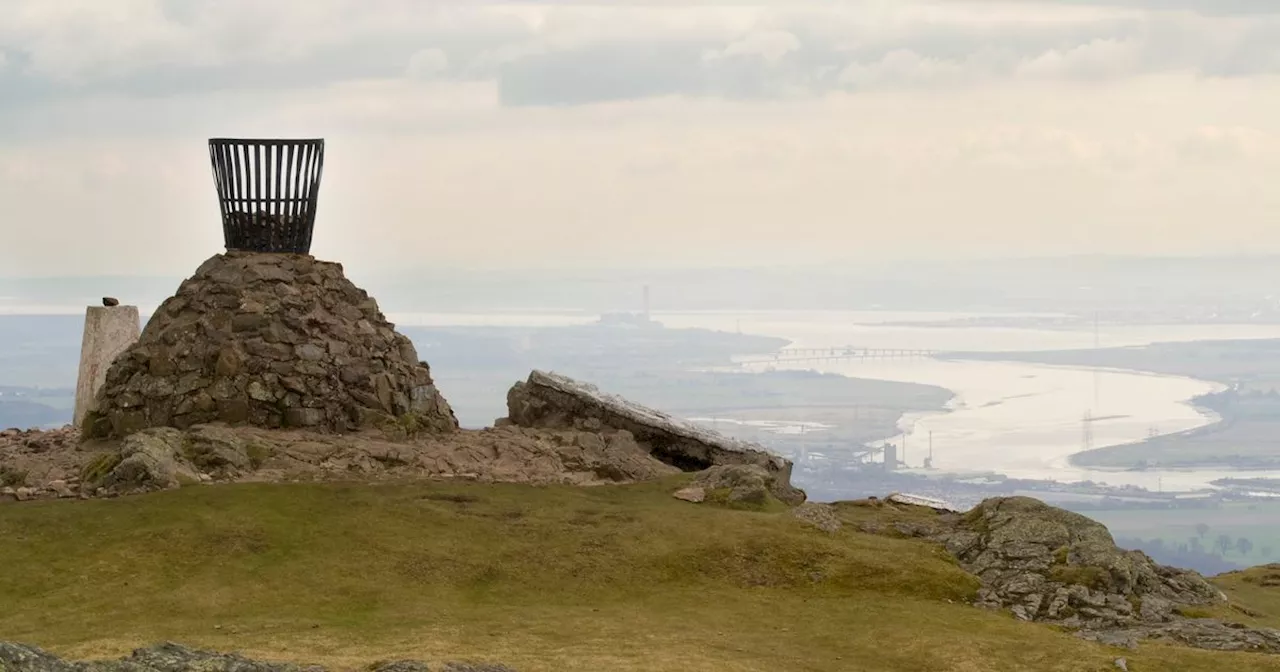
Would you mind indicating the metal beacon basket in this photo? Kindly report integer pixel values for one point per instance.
(267, 192)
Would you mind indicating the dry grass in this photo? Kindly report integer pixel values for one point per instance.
(622, 578)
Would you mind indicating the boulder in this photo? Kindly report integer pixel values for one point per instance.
(268, 340)
(150, 460)
(553, 401)
(692, 494)
(1201, 633)
(820, 516)
(746, 483)
(1050, 565)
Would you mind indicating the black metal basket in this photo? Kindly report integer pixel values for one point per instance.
(267, 192)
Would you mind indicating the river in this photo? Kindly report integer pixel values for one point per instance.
(1022, 420)
(1018, 419)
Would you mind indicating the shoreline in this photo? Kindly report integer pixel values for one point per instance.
(1232, 438)
(1209, 422)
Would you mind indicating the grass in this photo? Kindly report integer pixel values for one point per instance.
(98, 468)
(1255, 595)
(554, 578)
(1095, 578)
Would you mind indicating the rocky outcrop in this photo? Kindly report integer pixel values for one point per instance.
(170, 657)
(268, 340)
(1050, 565)
(162, 458)
(32, 459)
(553, 401)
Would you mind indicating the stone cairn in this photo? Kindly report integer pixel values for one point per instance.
(266, 335)
(270, 340)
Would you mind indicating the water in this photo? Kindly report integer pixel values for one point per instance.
(1022, 420)
(1025, 421)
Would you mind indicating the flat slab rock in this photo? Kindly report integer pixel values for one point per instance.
(170, 657)
(553, 401)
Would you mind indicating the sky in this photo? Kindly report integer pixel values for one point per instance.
(649, 134)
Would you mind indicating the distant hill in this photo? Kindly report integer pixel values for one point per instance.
(28, 414)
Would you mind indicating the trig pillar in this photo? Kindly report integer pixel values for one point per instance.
(108, 331)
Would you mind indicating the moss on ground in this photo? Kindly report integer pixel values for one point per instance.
(1094, 578)
(98, 468)
(541, 578)
(258, 453)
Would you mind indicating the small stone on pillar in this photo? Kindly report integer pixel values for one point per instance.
(108, 331)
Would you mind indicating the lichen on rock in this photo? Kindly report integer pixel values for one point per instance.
(1051, 565)
(268, 340)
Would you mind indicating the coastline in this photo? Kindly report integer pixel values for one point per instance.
(1242, 411)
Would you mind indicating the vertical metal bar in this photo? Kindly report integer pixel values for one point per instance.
(242, 184)
(242, 159)
(237, 156)
(311, 184)
(304, 177)
(228, 183)
(258, 181)
(219, 182)
(277, 173)
(233, 177)
(315, 189)
(290, 208)
(304, 191)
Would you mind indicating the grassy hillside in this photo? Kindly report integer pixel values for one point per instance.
(617, 578)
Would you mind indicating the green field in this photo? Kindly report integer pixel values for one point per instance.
(1259, 522)
(1236, 443)
(542, 579)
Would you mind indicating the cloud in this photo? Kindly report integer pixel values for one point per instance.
(771, 45)
(163, 47)
(646, 132)
(903, 67)
(1217, 145)
(1098, 59)
(554, 53)
(427, 63)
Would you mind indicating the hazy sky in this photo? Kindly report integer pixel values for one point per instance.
(663, 132)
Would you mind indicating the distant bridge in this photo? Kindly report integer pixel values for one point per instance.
(845, 353)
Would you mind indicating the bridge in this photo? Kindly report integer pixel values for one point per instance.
(844, 353)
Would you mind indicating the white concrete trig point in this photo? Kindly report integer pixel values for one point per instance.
(108, 331)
